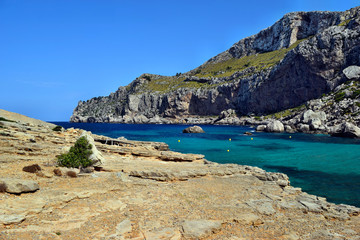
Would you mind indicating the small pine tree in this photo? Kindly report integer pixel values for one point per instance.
(78, 155)
(57, 128)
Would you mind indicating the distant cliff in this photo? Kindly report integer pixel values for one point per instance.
(299, 58)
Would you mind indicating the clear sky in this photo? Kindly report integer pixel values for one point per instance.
(54, 53)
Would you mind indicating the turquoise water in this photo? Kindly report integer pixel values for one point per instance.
(319, 164)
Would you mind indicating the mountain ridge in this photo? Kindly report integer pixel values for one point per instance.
(298, 58)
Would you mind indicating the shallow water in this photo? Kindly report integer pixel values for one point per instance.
(319, 164)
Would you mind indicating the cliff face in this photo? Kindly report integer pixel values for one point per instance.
(299, 58)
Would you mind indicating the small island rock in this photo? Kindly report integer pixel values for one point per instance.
(275, 126)
(193, 129)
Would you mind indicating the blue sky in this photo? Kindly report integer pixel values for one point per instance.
(55, 53)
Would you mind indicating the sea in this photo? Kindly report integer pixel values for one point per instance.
(319, 164)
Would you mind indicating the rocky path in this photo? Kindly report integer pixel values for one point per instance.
(140, 194)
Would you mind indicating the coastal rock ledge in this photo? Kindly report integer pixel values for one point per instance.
(142, 190)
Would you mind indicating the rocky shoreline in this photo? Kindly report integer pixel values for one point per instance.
(335, 113)
(143, 190)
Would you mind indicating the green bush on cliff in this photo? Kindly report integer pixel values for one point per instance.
(57, 128)
(339, 96)
(5, 120)
(78, 155)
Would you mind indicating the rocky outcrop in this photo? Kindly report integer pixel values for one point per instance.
(19, 186)
(346, 129)
(274, 126)
(193, 129)
(319, 52)
(336, 113)
(96, 156)
(194, 200)
(196, 229)
(352, 72)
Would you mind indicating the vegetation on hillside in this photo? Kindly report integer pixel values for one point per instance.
(226, 68)
(286, 113)
(57, 128)
(259, 61)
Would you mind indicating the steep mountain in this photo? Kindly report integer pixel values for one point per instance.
(299, 58)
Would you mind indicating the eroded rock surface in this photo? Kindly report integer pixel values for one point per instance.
(138, 195)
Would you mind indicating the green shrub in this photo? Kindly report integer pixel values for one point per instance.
(5, 120)
(344, 23)
(356, 94)
(78, 155)
(339, 96)
(57, 128)
(147, 77)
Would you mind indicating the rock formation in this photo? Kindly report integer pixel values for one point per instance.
(301, 57)
(145, 191)
(193, 129)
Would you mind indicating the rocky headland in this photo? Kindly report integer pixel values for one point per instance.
(302, 71)
(142, 190)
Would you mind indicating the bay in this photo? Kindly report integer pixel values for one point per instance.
(319, 164)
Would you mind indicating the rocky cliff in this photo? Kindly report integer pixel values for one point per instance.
(299, 58)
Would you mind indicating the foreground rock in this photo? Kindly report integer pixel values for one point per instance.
(193, 129)
(19, 186)
(196, 229)
(136, 194)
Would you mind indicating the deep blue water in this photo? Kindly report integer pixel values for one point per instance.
(319, 164)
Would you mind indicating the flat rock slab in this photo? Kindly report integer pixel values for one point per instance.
(18, 186)
(195, 229)
(11, 219)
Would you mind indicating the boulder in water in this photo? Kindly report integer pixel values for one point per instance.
(275, 126)
(193, 129)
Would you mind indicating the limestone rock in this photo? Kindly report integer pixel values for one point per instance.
(275, 126)
(289, 129)
(303, 128)
(123, 227)
(193, 129)
(18, 186)
(261, 128)
(315, 118)
(11, 219)
(44, 174)
(352, 72)
(346, 129)
(263, 207)
(164, 233)
(96, 155)
(195, 229)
